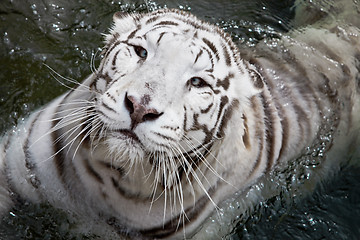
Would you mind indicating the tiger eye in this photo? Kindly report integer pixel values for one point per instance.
(140, 51)
(197, 82)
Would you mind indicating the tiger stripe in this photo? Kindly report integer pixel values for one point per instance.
(226, 55)
(29, 159)
(212, 48)
(6, 174)
(92, 172)
(269, 132)
(246, 137)
(198, 56)
(126, 194)
(172, 225)
(225, 82)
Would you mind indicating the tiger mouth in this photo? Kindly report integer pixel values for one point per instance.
(128, 134)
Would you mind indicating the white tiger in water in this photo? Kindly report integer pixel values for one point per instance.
(176, 119)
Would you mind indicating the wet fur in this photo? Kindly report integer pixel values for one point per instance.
(267, 105)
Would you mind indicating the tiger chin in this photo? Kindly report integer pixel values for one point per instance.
(175, 120)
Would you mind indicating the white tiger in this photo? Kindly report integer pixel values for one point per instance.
(176, 119)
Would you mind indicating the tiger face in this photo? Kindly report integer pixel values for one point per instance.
(164, 89)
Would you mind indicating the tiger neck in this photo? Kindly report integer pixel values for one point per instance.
(148, 179)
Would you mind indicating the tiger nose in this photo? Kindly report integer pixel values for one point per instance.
(138, 111)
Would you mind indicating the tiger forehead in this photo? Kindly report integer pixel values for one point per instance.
(177, 22)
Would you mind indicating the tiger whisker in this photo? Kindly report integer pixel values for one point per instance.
(72, 115)
(180, 195)
(85, 136)
(72, 131)
(206, 149)
(195, 176)
(205, 161)
(65, 105)
(55, 128)
(178, 152)
(97, 125)
(92, 61)
(87, 89)
(155, 183)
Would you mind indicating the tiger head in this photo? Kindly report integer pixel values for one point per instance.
(167, 87)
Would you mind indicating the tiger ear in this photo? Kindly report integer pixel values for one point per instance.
(120, 15)
(124, 22)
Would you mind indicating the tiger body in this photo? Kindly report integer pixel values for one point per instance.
(176, 119)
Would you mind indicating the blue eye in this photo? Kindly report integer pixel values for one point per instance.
(198, 82)
(140, 51)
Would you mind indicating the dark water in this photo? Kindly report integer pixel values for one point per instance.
(65, 35)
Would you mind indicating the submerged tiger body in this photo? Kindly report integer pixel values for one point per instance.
(176, 119)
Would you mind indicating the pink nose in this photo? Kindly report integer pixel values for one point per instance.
(138, 111)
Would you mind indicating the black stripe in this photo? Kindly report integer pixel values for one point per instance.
(197, 126)
(166, 23)
(227, 55)
(108, 107)
(198, 55)
(7, 143)
(246, 137)
(111, 97)
(114, 38)
(304, 90)
(269, 130)
(29, 163)
(171, 226)
(185, 119)
(121, 15)
(285, 135)
(298, 75)
(195, 25)
(65, 169)
(115, 57)
(110, 49)
(225, 83)
(160, 37)
(212, 47)
(91, 171)
(206, 110)
(301, 77)
(119, 170)
(132, 34)
(256, 79)
(128, 195)
(280, 110)
(260, 154)
(153, 19)
(170, 127)
(106, 77)
(259, 134)
(226, 117)
(98, 111)
(326, 89)
(222, 122)
(211, 60)
(164, 136)
(59, 158)
(14, 196)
